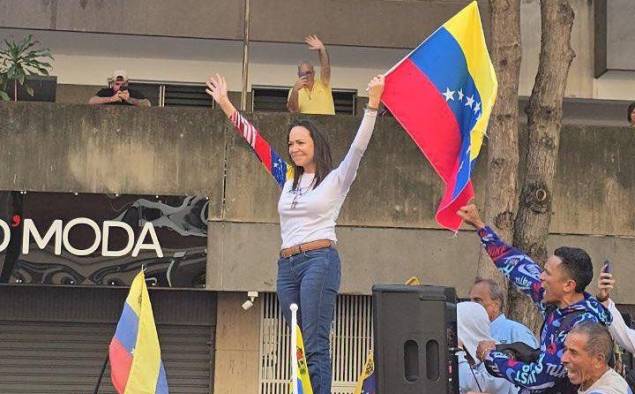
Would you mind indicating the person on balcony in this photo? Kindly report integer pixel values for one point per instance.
(119, 94)
(311, 95)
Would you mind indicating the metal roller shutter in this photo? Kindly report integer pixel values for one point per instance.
(53, 357)
(40, 354)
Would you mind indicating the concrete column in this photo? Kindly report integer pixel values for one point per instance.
(237, 345)
(580, 79)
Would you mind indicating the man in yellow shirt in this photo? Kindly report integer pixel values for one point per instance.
(311, 95)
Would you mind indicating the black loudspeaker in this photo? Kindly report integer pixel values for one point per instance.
(415, 339)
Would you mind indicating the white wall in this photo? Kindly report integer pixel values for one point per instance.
(614, 85)
(580, 81)
(86, 58)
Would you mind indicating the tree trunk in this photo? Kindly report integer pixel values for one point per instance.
(502, 135)
(15, 90)
(544, 112)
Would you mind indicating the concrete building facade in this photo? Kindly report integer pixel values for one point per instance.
(386, 228)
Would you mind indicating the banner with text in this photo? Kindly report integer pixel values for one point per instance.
(102, 239)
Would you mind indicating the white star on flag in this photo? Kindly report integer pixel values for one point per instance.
(449, 94)
(460, 94)
(477, 107)
(470, 101)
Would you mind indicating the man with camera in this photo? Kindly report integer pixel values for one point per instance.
(311, 95)
(119, 94)
(558, 291)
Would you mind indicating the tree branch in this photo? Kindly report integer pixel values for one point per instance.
(531, 227)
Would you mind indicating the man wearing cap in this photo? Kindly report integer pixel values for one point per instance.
(119, 94)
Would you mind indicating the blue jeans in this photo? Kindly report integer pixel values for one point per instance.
(311, 280)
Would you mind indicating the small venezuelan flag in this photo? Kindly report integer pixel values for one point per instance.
(367, 382)
(442, 94)
(304, 379)
(134, 352)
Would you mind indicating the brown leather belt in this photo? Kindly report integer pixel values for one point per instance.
(313, 245)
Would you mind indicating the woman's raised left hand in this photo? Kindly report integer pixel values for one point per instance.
(375, 90)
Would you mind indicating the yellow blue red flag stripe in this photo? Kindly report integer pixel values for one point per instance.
(304, 379)
(442, 94)
(134, 352)
(367, 382)
(270, 159)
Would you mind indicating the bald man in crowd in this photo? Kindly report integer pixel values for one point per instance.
(489, 294)
(311, 94)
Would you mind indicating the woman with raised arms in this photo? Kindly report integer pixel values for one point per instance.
(312, 193)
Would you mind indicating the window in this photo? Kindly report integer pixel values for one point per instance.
(174, 95)
(269, 99)
(186, 96)
(345, 101)
(274, 99)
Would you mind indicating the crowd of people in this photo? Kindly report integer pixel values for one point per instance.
(575, 349)
(576, 339)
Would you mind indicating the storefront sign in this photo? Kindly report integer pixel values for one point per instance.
(101, 239)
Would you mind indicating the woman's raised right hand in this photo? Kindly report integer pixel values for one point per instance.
(217, 88)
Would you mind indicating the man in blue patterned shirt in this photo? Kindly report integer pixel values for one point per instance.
(558, 291)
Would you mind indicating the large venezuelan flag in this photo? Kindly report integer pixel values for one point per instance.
(442, 93)
(134, 352)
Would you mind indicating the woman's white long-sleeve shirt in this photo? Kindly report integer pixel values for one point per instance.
(308, 214)
(621, 333)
